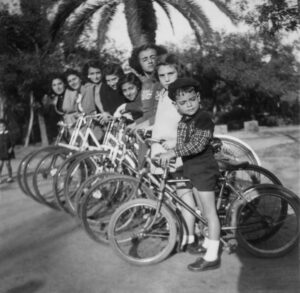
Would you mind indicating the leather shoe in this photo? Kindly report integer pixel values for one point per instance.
(195, 249)
(202, 265)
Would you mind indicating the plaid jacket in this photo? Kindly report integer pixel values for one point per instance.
(194, 134)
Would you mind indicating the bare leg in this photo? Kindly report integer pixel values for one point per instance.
(207, 199)
(9, 169)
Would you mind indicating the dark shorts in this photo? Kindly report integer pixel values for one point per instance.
(203, 175)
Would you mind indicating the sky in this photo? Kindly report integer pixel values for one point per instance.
(182, 29)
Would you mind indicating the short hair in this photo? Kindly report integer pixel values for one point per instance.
(113, 69)
(91, 63)
(182, 85)
(130, 78)
(71, 71)
(172, 60)
(134, 61)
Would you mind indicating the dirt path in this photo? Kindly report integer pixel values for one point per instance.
(42, 250)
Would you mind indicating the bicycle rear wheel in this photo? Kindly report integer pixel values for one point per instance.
(140, 235)
(29, 166)
(251, 175)
(238, 150)
(43, 176)
(268, 224)
(79, 171)
(103, 199)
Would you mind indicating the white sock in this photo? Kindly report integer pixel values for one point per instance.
(212, 250)
(188, 239)
(205, 242)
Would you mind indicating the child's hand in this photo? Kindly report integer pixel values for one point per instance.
(165, 157)
(168, 145)
(105, 116)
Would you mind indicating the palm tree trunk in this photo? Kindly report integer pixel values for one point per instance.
(2, 104)
(141, 21)
(43, 130)
(30, 124)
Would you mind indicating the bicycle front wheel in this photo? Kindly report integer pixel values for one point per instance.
(140, 234)
(268, 224)
(104, 198)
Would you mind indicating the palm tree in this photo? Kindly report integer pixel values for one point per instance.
(73, 16)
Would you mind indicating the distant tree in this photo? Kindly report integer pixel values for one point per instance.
(274, 16)
(234, 73)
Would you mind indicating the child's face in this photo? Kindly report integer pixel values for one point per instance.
(58, 86)
(130, 91)
(187, 102)
(167, 74)
(74, 81)
(147, 59)
(94, 75)
(112, 80)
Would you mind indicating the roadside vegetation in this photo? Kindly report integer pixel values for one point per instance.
(243, 77)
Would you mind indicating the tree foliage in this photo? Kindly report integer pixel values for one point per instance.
(275, 16)
(234, 74)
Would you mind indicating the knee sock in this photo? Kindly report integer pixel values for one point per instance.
(205, 242)
(212, 250)
(188, 239)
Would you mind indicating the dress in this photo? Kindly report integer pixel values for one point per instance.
(5, 145)
(193, 145)
(165, 126)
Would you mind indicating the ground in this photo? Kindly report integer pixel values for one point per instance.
(42, 250)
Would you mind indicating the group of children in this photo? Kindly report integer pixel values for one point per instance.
(157, 94)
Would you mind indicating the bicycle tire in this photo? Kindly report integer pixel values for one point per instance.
(103, 199)
(90, 165)
(275, 219)
(42, 175)
(58, 181)
(20, 172)
(86, 186)
(251, 175)
(30, 165)
(132, 242)
(237, 149)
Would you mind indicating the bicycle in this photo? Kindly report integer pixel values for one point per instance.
(146, 231)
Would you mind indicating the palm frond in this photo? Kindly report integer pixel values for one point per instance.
(81, 20)
(194, 14)
(65, 9)
(226, 10)
(107, 14)
(165, 8)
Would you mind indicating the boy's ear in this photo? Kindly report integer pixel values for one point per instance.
(198, 96)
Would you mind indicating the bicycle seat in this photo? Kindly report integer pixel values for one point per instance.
(229, 164)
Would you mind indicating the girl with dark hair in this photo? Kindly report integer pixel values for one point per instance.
(6, 150)
(79, 97)
(53, 104)
(130, 87)
(109, 96)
